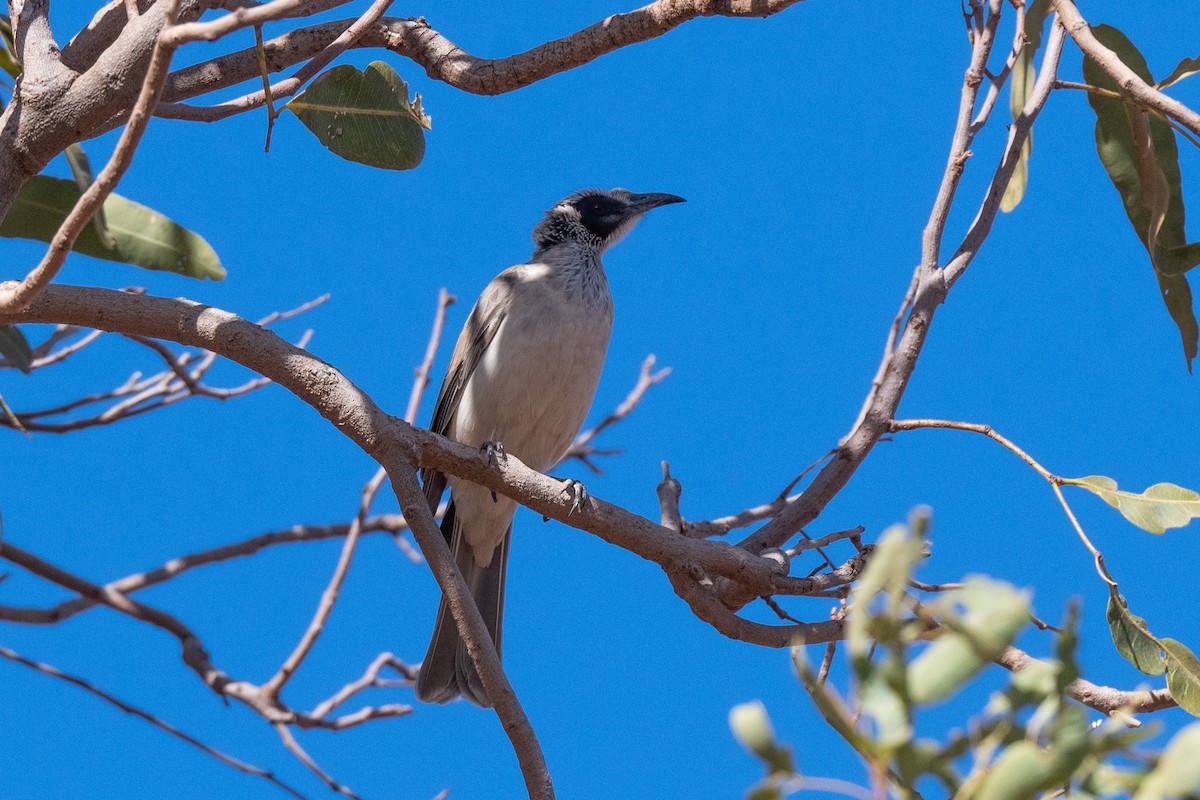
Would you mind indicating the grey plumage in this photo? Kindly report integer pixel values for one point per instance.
(522, 375)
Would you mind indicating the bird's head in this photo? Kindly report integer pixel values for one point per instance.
(596, 218)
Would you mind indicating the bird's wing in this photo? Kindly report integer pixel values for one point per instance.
(481, 327)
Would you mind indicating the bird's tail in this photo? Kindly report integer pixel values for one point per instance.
(447, 670)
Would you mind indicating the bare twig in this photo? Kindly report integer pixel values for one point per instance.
(421, 377)
(370, 679)
(304, 758)
(166, 727)
(139, 395)
(1018, 133)
(244, 17)
(329, 597)
(288, 86)
(723, 525)
(582, 448)
(1055, 481)
(385, 523)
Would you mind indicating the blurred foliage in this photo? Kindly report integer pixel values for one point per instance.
(1030, 739)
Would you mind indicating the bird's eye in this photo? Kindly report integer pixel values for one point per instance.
(597, 208)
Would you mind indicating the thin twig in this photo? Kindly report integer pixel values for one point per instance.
(384, 523)
(582, 448)
(304, 758)
(369, 679)
(166, 727)
(421, 379)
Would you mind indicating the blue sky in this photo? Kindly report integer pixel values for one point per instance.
(809, 146)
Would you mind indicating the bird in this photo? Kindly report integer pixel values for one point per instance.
(520, 382)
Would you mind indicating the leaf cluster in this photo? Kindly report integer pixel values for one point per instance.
(1029, 739)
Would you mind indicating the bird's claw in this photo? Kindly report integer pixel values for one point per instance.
(495, 455)
(495, 452)
(577, 492)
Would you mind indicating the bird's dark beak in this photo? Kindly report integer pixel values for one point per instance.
(641, 203)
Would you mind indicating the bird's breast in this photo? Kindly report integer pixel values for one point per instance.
(533, 387)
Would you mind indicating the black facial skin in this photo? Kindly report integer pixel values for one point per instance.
(601, 215)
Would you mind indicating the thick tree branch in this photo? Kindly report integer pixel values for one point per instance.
(389, 440)
(14, 297)
(442, 59)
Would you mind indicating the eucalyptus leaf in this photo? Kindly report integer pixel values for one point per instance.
(365, 116)
(1021, 80)
(752, 728)
(1162, 506)
(15, 348)
(1183, 676)
(1186, 67)
(144, 237)
(9, 62)
(994, 613)
(1024, 769)
(888, 571)
(1177, 772)
(1141, 156)
(1132, 637)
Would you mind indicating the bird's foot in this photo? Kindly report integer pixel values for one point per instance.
(496, 456)
(495, 452)
(577, 492)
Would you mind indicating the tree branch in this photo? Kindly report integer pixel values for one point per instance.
(386, 439)
(228, 760)
(472, 630)
(442, 59)
(16, 296)
(385, 523)
(1145, 95)
(1105, 699)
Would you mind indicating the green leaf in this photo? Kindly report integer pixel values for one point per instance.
(365, 116)
(1183, 676)
(1132, 637)
(144, 237)
(15, 348)
(8, 51)
(1024, 769)
(831, 707)
(1141, 157)
(81, 170)
(752, 728)
(1020, 178)
(1189, 66)
(994, 613)
(1021, 81)
(1162, 506)
(893, 723)
(1177, 772)
(888, 570)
